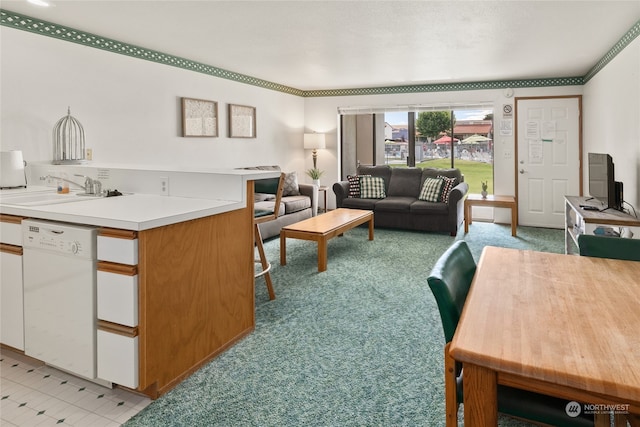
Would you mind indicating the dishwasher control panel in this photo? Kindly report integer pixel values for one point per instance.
(70, 239)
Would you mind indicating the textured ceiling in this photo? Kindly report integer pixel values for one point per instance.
(312, 45)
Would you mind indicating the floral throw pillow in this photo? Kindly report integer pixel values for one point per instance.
(372, 187)
(447, 186)
(431, 190)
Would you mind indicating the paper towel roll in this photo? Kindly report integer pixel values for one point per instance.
(12, 169)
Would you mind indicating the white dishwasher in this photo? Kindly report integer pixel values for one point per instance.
(59, 267)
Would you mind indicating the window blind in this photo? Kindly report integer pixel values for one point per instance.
(380, 109)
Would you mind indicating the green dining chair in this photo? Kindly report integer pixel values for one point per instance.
(450, 281)
(609, 247)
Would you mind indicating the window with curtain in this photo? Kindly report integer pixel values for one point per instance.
(440, 136)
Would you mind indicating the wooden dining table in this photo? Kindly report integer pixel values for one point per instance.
(561, 325)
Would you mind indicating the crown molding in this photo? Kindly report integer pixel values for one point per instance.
(49, 29)
(448, 87)
(60, 32)
(614, 51)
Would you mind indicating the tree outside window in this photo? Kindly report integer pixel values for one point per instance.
(474, 159)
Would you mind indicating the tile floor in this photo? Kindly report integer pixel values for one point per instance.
(33, 394)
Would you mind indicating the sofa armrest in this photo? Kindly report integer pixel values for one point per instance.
(310, 191)
(341, 190)
(456, 207)
(458, 193)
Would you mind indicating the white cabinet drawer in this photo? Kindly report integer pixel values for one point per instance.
(118, 298)
(122, 251)
(118, 358)
(11, 301)
(11, 233)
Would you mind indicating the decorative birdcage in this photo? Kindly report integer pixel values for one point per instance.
(68, 141)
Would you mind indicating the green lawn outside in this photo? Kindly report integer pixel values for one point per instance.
(474, 172)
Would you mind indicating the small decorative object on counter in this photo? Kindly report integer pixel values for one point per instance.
(484, 189)
(63, 185)
(68, 141)
(112, 193)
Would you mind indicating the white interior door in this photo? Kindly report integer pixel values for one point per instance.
(548, 162)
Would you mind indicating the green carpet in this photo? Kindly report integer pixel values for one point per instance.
(358, 345)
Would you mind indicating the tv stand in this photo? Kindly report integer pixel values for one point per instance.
(608, 208)
(582, 221)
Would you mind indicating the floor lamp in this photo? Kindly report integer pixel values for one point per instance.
(314, 141)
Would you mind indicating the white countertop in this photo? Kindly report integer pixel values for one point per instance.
(130, 212)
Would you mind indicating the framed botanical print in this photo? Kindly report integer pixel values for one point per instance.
(199, 117)
(242, 121)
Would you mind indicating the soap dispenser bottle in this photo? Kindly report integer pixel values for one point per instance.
(63, 186)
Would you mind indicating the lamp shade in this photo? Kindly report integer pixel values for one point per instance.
(314, 141)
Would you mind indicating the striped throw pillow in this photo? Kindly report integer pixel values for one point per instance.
(431, 190)
(372, 187)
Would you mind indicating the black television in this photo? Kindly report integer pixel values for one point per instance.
(602, 184)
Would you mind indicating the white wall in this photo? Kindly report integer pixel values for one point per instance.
(612, 119)
(130, 108)
(321, 114)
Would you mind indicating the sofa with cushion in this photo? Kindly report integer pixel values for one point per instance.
(428, 199)
(299, 201)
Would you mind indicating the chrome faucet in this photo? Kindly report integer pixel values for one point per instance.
(91, 186)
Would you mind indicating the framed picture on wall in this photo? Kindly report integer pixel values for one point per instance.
(199, 117)
(242, 121)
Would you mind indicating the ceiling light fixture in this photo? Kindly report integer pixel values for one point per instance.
(41, 3)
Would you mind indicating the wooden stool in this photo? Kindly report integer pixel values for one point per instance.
(266, 186)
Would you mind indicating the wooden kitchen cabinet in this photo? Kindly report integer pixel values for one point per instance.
(118, 360)
(117, 295)
(11, 298)
(11, 288)
(118, 246)
(11, 230)
(117, 298)
(195, 298)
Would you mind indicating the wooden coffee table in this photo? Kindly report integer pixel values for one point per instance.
(323, 227)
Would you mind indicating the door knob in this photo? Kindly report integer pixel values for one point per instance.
(521, 170)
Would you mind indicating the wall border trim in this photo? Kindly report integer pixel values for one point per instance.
(614, 51)
(37, 26)
(61, 32)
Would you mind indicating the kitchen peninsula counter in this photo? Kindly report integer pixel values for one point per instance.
(141, 211)
(189, 277)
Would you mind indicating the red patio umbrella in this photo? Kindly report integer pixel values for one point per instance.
(445, 140)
